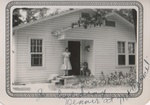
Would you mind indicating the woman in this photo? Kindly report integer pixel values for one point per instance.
(66, 63)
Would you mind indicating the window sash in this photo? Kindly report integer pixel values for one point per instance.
(125, 53)
(36, 45)
(131, 59)
(131, 48)
(36, 59)
(131, 53)
(121, 47)
(36, 52)
(123, 61)
(121, 53)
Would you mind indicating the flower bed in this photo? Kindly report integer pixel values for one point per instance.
(116, 78)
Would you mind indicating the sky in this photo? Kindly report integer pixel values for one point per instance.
(23, 13)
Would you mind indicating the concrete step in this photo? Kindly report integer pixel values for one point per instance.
(59, 78)
(55, 81)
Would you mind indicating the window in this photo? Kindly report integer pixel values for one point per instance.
(131, 51)
(36, 52)
(121, 53)
(110, 23)
(125, 53)
(85, 15)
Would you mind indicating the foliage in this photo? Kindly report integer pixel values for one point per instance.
(16, 19)
(33, 14)
(127, 14)
(95, 20)
(100, 16)
(112, 79)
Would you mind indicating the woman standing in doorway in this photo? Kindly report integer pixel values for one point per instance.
(66, 63)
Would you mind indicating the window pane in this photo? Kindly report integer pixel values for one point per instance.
(33, 45)
(36, 45)
(131, 47)
(41, 42)
(119, 44)
(36, 59)
(32, 42)
(38, 42)
(40, 48)
(119, 50)
(31, 49)
(40, 45)
(34, 48)
(110, 23)
(121, 47)
(32, 61)
(40, 62)
(122, 50)
(85, 15)
(121, 59)
(131, 59)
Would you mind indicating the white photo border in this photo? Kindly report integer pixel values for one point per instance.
(74, 3)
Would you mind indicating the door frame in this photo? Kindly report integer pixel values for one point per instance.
(79, 51)
(81, 46)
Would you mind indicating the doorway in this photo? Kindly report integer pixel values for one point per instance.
(74, 49)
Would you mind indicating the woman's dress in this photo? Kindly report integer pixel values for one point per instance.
(66, 64)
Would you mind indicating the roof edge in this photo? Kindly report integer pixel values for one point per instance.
(43, 19)
(61, 14)
(124, 19)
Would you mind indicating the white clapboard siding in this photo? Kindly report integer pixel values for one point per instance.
(88, 56)
(13, 51)
(105, 38)
(102, 41)
(53, 49)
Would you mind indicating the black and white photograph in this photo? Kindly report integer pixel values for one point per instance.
(76, 52)
(72, 48)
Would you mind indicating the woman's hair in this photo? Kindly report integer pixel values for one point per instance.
(66, 48)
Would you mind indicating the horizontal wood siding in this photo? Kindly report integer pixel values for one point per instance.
(53, 49)
(13, 57)
(104, 46)
(88, 56)
(105, 38)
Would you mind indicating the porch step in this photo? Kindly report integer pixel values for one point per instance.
(65, 77)
(61, 79)
(55, 81)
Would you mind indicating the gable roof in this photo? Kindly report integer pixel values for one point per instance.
(123, 18)
(44, 19)
(61, 14)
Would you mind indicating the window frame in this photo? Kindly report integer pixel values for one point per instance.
(126, 54)
(43, 53)
(131, 53)
(121, 53)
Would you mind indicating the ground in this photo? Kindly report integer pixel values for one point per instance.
(76, 84)
(51, 88)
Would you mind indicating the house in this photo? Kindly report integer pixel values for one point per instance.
(37, 47)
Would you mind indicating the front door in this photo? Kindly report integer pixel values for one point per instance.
(74, 49)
